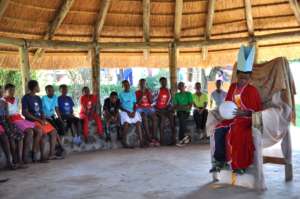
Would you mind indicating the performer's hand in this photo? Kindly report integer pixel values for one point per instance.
(242, 113)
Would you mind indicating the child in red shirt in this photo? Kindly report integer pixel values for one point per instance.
(88, 104)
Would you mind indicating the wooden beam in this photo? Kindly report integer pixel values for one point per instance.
(209, 24)
(75, 45)
(101, 19)
(146, 24)
(178, 19)
(54, 25)
(296, 9)
(249, 18)
(25, 67)
(3, 6)
(173, 56)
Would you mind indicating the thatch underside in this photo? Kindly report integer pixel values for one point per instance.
(30, 19)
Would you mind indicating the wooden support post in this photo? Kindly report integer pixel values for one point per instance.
(173, 54)
(25, 67)
(95, 55)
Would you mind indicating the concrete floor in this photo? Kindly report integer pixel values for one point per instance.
(166, 172)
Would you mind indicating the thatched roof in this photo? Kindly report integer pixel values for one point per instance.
(31, 19)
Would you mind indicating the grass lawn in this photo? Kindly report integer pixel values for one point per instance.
(298, 115)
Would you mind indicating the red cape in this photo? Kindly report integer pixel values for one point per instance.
(239, 139)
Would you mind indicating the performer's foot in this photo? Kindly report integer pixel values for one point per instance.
(215, 169)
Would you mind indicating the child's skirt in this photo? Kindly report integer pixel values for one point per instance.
(46, 128)
(22, 125)
(2, 131)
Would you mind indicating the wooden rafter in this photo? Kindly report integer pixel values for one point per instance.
(146, 24)
(295, 5)
(57, 21)
(3, 6)
(209, 25)
(101, 19)
(249, 18)
(178, 19)
(48, 44)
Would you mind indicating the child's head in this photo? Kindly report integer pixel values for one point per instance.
(33, 86)
(198, 86)
(181, 86)
(113, 97)
(63, 89)
(142, 83)
(126, 85)
(49, 90)
(85, 90)
(218, 84)
(1, 91)
(163, 82)
(9, 90)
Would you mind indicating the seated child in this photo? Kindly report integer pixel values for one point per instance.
(65, 106)
(52, 114)
(162, 103)
(24, 126)
(4, 135)
(32, 110)
(144, 107)
(128, 114)
(111, 111)
(88, 106)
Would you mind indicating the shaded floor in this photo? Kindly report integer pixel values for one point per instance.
(166, 172)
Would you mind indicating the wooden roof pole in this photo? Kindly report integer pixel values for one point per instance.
(54, 25)
(295, 5)
(249, 18)
(101, 19)
(146, 24)
(3, 7)
(209, 24)
(25, 67)
(178, 19)
(250, 26)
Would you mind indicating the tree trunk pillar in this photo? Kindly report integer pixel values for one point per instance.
(95, 56)
(25, 67)
(173, 54)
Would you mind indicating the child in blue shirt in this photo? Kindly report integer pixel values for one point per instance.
(65, 106)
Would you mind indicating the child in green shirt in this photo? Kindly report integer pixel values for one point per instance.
(183, 102)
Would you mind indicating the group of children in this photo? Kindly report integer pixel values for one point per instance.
(52, 116)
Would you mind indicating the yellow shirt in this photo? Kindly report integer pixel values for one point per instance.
(199, 101)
